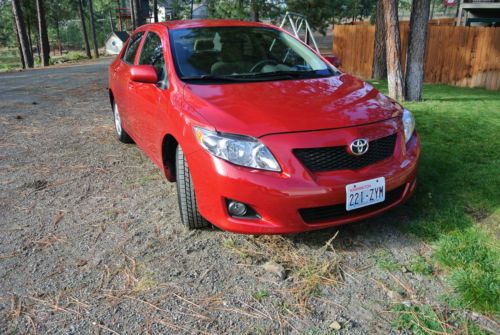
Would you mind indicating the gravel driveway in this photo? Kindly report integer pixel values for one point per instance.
(91, 240)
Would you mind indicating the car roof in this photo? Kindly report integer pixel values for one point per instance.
(200, 23)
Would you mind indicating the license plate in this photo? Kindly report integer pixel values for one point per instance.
(365, 193)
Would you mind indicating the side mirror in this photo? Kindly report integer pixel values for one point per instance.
(144, 74)
(334, 60)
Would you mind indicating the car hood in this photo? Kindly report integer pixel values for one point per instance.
(271, 107)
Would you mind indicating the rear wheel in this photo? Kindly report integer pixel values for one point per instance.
(188, 207)
(120, 132)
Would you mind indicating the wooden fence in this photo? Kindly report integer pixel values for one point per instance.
(463, 56)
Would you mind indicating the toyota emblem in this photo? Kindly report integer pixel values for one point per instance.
(359, 147)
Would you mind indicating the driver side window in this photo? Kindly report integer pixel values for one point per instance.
(152, 54)
(133, 45)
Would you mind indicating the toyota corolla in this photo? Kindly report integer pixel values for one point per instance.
(261, 134)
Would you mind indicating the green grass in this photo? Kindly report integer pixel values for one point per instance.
(423, 320)
(457, 204)
(420, 266)
(386, 261)
(9, 59)
(474, 266)
(261, 295)
(69, 57)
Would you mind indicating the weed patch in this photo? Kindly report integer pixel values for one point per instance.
(261, 295)
(386, 261)
(420, 266)
(474, 268)
(424, 320)
(310, 269)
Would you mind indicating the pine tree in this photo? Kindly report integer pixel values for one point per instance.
(21, 32)
(417, 40)
(393, 49)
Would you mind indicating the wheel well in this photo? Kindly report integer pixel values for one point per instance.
(168, 148)
(111, 97)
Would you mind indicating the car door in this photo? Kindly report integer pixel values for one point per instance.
(149, 100)
(122, 73)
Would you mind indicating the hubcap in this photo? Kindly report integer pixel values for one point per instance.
(118, 124)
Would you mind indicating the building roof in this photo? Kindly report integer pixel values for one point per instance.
(122, 35)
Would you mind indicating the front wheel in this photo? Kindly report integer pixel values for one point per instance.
(188, 207)
(120, 132)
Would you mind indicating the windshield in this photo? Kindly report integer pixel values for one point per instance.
(243, 54)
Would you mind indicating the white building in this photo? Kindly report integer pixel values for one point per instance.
(114, 42)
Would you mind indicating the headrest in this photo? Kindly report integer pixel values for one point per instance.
(203, 45)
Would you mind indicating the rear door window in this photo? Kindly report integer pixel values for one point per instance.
(132, 48)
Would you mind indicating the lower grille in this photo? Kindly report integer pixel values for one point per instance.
(337, 158)
(335, 212)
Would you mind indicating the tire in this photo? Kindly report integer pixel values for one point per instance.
(120, 132)
(190, 216)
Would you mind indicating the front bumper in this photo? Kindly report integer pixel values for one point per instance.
(278, 197)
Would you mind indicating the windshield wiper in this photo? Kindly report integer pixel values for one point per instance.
(212, 77)
(293, 74)
(241, 77)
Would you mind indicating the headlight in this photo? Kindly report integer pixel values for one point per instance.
(409, 124)
(237, 149)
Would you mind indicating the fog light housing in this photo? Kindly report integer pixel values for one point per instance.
(236, 208)
(240, 210)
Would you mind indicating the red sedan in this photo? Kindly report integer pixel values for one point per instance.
(261, 134)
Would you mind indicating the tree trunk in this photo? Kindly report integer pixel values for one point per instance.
(155, 10)
(42, 29)
(132, 13)
(21, 58)
(417, 40)
(393, 48)
(92, 29)
(28, 31)
(84, 29)
(23, 37)
(37, 41)
(255, 10)
(119, 13)
(255, 15)
(58, 35)
(379, 50)
(38, 44)
(139, 18)
(111, 21)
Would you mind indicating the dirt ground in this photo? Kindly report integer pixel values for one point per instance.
(91, 239)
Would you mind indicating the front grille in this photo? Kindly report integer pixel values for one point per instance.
(335, 212)
(337, 158)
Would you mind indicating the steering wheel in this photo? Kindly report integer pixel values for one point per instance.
(261, 64)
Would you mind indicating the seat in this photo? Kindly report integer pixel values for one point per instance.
(201, 45)
(231, 60)
(203, 56)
